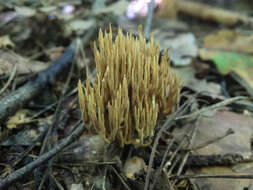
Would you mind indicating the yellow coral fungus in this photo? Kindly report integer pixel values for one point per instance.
(131, 89)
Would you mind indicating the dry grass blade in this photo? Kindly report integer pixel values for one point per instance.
(13, 73)
(213, 107)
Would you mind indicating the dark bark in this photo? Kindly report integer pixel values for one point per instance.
(17, 99)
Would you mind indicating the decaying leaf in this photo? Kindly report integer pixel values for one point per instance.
(183, 47)
(198, 85)
(239, 142)
(9, 59)
(229, 40)
(227, 62)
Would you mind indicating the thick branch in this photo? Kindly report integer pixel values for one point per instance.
(17, 99)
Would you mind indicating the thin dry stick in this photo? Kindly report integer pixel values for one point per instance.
(43, 180)
(26, 152)
(104, 178)
(212, 176)
(123, 182)
(169, 122)
(175, 153)
(192, 141)
(13, 177)
(18, 98)
(166, 125)
(228, 132)
(72, 92)
(13, 73)
(62, 98)
(174, 164)
(46, 139)
(84, 41)
(228, 159)
(214, 106)
(60, 187)
(193, 137)
(162, 163)
(148, 23)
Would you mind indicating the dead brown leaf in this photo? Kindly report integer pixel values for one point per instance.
(187, 74)
(9, 59)
(230, 40)
(212, 127)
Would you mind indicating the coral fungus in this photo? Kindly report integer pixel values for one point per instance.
(131, 89)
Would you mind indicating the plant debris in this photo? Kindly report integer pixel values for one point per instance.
(90, 101)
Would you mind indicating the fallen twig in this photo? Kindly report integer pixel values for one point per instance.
(13, 73)
(121, 179)
(174, 154)
(169, 122)
(229, 159)
(17, 99)
(162, 164)
(212, 176)
(211, 141)
(166, 126)
(18, 174)
(212, 107)
(206, 12)
(193, 137)
(148, 23)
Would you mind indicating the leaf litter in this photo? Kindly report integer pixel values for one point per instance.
(214, 102)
